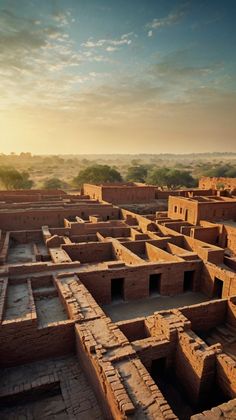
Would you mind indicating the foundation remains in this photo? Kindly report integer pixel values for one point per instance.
(110, 314)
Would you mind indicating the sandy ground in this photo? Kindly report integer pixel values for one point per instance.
(120, 311)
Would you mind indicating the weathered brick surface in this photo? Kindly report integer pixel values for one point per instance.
(76, 399)
(75, 248)
(223, 411)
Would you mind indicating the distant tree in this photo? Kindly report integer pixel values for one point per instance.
(12, 179)
(53, 184)
(158, 177)
(219, 171)
(97, 174)
(171, 178)
(231, 172)
(135, 162)
(136, 173)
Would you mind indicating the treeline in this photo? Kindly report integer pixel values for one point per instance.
(101, 174)
(170, 177)
(12, 179)
(225, 171)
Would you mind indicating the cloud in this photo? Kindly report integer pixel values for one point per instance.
(111, 49)
(62, 18)
(150, 33)
(172, 18)
(37, 61)
(129, 34)
(177, 69)
(108, 44)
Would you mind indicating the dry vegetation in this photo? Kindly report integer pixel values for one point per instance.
(66, 167)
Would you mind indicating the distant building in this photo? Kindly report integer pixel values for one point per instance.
(199, 208)
(217, 183)
(123, 193)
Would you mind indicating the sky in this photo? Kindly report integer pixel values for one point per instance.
(117, 76)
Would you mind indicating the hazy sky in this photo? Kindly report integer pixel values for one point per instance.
(122, 76)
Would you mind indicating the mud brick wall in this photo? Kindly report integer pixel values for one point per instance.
(136, 283)
(21, 220)
(185, 230)
(205, 234)
(98, 284)
(195, 366)
(210, 271)
(89, 252)
(156, 254)
(132, 219)
(182, 253)
(114, 231)
(83, 238)
(136, 280)
(94, 191)
(226, 374)
(167, 324)
(230, 262)
(122, 253)
(42, 281)
(206, 252)
(25, 236)
(54, 217)
(59, 256)
(60, 231)
(134, 329)
(231, 237)
(112, 380)
(205, 316)
(231, 312)
(194, 211)
(103, 377)
(3, 292)
(213, 182)
(39, 267)
(130, 194)
(171, 280)
(225, 411)
(22, 342)
(150, 349)
(28, 193)
(223, 210)
(178, 206)
(172, 276)
(177, 226)
(4, 247)
(138, 236)
(183, 193)
(137, 247)
(76, 299)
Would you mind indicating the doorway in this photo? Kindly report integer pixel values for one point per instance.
(154, 284)
(188, 281)
(117, 289)
(218, 288)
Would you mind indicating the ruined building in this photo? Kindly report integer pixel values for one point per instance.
(217, 183)
(109, 314)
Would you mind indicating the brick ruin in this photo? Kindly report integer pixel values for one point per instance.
(217, 183)
(121, 193)
(109, 314)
